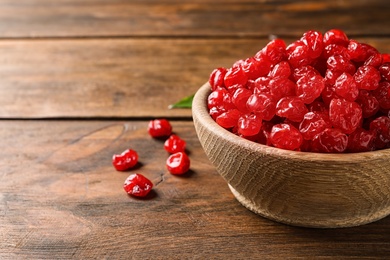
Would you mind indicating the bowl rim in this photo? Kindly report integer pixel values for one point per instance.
(201, 114)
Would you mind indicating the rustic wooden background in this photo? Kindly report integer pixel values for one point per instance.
(79, 81)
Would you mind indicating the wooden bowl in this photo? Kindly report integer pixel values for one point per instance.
(296, 188)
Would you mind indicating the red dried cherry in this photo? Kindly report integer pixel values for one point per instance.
(220, 98)
(336, 36)
(368, 103)
(235, 76)
(178, 163)
(298, 54)
(346, 87)
(384, 70)
(160, 128)
(382, 94)
(331, 140)
(381, 126)
(274, 51)
(255, 68)
(228, 119)
(361, 141)
(282, 69)
(309, 88)
(137, 185)
(263, 105)
(281, 87)
(291, 108)
(367, 77)
(249, 124)
(126, 160)
(314, 123)
(313, 40)
(345, 115)
(285, 136)
(216, 79)
(240, 97)
(174, 144)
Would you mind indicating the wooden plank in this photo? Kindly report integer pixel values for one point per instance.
(61, 198)
(113, 78)
(101, 18)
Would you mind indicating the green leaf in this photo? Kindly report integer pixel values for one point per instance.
(183, 103)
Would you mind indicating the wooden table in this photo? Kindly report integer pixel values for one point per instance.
(80, 80)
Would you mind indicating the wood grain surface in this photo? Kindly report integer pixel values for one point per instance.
(61, 199)
(119, 18)
(79, 81)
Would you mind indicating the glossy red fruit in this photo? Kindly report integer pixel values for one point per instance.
(255, 68)
(367, 77)
(159, 128)
(361, 141)
(309, 88)
(282, 69)
(291, 108)
(178, 163)
(174, 144)
(334, 49)
(229, 118)
(235, 76)
(341, 64)
(307, 71)
(281, 87)
(346, 87)
(382, 94)
(345, 115)
(314, 41)
(261, 85)
(240, 97)
(384, 70)
(357, 51)
(314, 123)
(381, 126)
(216, 79)
(335, 36)
(285, 136)
(220, 98)
(249, 124)
(368, 103)
(137, 185)
(262, 104)
(298, 54)
(274, 51)
(331, 140)
(126, 160)
(375, 60)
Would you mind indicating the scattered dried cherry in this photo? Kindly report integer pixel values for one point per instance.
(126, 160)
(174, 144)
(178, 163)
(159, 128)
(137, 185)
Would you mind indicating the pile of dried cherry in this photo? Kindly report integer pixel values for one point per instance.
(322, 93)
(177, 163)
